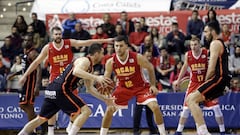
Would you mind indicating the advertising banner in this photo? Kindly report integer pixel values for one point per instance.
(161, 20)
(12, 117)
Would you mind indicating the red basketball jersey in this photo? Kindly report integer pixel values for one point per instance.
(59, 58)
(129, 73)
(198, 66)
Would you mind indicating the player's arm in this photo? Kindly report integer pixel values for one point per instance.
(183, 69)
(92, 90)
(81, 66)
(144, 63)
(215, 50)
(108, 68)
(34, 64)
(80, 43)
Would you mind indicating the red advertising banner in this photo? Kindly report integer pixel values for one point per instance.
(161, 20)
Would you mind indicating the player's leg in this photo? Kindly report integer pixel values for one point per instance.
(51, 124)
(107, 120)
(158, 118)
(137, 119)
(75, 92)
(80, 119)
(193, 101)
(31, 125)
(150, 122)
(29, 110)
(219, 118)
(183, 117)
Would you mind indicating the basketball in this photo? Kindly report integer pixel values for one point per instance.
(105, 89)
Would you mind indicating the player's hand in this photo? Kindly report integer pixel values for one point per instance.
(103, 80)
(22, 80)
(153, 90)
(109, 100)
(176, 85)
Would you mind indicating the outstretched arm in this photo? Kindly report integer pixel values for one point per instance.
(80, 43)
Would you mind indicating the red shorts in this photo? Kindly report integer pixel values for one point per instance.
(194, 86)
(123, 95)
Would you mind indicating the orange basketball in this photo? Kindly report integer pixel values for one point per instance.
(105, 89)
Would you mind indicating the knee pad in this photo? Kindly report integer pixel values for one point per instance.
(185, 113)
(217, 111)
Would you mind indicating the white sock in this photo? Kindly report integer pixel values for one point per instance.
(161, 129)
(69, 127)
(202, 130)
(104, 131)
(180, 128)
(74, 130)
(222, 128)
(22, 132)
(51, 130)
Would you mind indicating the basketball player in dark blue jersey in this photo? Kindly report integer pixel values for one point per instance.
(216, 80)
(59, 96)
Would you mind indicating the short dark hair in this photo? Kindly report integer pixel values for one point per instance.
(121, 38)
(35, 14)
(57, 28)
(94, 48)
(215, 26)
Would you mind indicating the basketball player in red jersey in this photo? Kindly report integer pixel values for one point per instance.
(127, 67)
(59, 55)
(197, 60)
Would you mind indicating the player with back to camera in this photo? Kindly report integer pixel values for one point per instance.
(59, 95)
(197, 60)
(217, 79)
(59, 54)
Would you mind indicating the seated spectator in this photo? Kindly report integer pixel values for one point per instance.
(148, 43)
(136, 38)
(4, 70)
(80, 34)
(234, 62)
(228, 37)
(36, 37)
(44, 83)
(68, 25)
(194, 26)
(164, 66)
(175, 41)
(12, 78)
(174, 75)
(118, 30)
(7, 49)
(21, 25)
(127, 24)
(158, 39)
(107, 26)
(100, 35)
(16, 41)
(144, 26)
(39, 27)
(235, 85)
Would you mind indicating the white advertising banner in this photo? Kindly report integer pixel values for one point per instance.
(42, 7)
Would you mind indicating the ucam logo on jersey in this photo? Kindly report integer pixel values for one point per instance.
(131, 60)
(66, 46)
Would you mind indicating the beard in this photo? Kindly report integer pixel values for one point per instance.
(57, 40)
